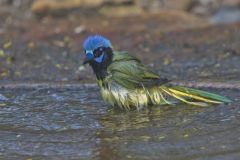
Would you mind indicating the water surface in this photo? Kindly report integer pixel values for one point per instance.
(70, 123)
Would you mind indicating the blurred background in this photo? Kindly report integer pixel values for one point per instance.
(41, 40)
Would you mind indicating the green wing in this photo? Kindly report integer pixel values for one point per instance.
(128, 71)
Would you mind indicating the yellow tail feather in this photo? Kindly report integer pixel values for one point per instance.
(202, 101)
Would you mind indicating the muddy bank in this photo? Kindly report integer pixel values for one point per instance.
(42, 54)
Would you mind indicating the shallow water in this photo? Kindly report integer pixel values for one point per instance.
(72, 123)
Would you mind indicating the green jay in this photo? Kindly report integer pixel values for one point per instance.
(125, 82)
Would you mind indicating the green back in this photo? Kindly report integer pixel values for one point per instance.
(128, 71)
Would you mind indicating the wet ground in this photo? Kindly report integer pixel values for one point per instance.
(46, 111)
(74, 123)
(175, 44)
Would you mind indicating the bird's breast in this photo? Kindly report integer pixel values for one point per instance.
(117, 95)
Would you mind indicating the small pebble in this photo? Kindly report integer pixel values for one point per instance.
(3, 98)
(7, 45)
(81, 68)
(66, 40)
(3, 104)
(17, 73)
(105, 23)
(58, 66)
(31, 45)
(186, 135)
(166, 61)
(18, 136)
(161, 137)
(10, 59)
(2, 53)
(79, 29)
(4, 73)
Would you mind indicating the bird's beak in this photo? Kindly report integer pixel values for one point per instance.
(89, 57)
(86, 60)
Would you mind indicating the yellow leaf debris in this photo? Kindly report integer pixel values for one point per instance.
(7, 45)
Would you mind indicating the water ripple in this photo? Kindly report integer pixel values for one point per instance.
(76, 124)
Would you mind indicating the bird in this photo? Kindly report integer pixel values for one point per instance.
(126, 83)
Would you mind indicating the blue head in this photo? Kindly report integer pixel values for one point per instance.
(99, 54)
(95, 48)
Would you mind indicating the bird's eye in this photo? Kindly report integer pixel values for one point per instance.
(98, 52)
